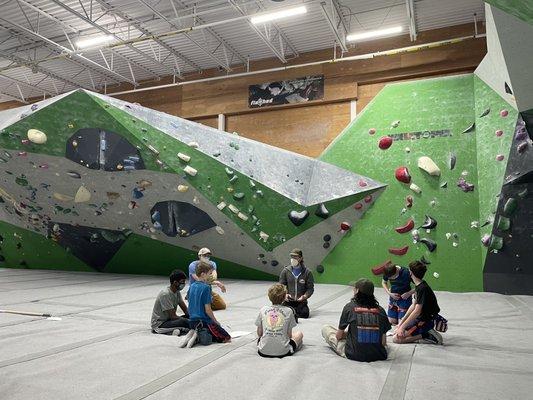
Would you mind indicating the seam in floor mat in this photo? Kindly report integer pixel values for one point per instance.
(67, 347)
(395, 384)
(521, 306)
(172, 377)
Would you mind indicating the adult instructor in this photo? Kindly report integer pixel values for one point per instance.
(299, 282)
(204, 254)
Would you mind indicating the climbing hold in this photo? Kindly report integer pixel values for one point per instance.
(409, 201)
(510, 206)
(326, 245)
(499, 132)
(183, 188)
(372, 131)
(428, 165)
(362, 183)
(263, 236)
(464, 185)
(485, 113)
(238, 196)
(385, 142)
(259, 193)
(504, 113)
(193, 145)
(251, 210)
(521, 147)
(455, 244)
(406, 228)
(378, 269)
(242, 216)
(153, 149)
(474, 224)
(36, 136)
(156, 216)
(298, 218)
(415, 188)
(132, 205)
(190, 170)
(252, 184)
(500, 157)
(436, 275)
(74, 174)
(395, 123)
(137, 193)
(158, 226)
(345, 227)
(448, 235)
(233, 209)
(368, 198)
(485, 240)
(496, 242)
(503, 223)
(229, 171)
(274, 263)
(184, 157)
(399, 251)
(326, 238)
(321, 211)
(429, 223)
(234, 179)
(221, 205)
(402, 175)
(508, 88)
(82, 195)
(470, 128)
(444, 185)
(452, 160)
(430, 244)
(521, 135)
(219, 230)
(62, 197)
(320, 269)
(523, 193)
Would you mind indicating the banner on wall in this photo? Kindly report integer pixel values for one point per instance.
(291, 91)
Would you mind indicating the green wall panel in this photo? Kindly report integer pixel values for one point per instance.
(522, 9)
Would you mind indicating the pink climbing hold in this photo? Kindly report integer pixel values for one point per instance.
(385, 142)
(25, 141)
(500, 157)
(345, 227)
(23, 153)
(358, 206)
(504, 113)
(362, 183)
(499, 132)
(372, 131)
(368, 198)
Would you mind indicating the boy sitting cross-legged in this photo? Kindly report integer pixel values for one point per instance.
(202, 320)
(274, 327)
(418, 321)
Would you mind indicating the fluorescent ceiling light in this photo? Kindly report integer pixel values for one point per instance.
(93, 41)
(278, 15)
(372, 34)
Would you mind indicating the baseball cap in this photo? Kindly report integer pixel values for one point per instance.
(203, 251)
(365, 286)
(296, 252)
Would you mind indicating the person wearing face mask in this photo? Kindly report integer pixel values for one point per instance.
(164, 317)
(204, 254)
(299, 282)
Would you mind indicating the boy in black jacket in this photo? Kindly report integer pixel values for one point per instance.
(300, 284)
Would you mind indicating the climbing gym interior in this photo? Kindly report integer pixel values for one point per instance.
(310, 143)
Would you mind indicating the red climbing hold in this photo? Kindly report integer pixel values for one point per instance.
(385, 142)
(378, 269)
(504, 113)
(368, 198)
(399, 251)
(406, 228)
(358, 206)
(402, 175)
(362, 183)
(345, 227)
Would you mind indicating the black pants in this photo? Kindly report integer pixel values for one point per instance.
(167, 327)
(301, 309)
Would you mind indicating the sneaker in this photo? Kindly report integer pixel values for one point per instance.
(434, 337)
(176, 332)
(185, 340)
(192, 339)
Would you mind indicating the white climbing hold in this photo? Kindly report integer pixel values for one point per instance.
(455, 244)
(184, 157)
(264, 237)
(219, 230)
(196, 200)
(221, 205)
(190, 170)
(242, 216)
(62, 197)
(183, 188)
(395, 124)
(448, 235)
(474, 224)
(82, 195)
(153, 149)
(428, 165)
(193, 145)
(36, 136)
(407, 149)
(436, 275)
(415, 188)
(233, 209)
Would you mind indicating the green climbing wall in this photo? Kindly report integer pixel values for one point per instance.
(426, 105)
(494, 138)
(522, 9)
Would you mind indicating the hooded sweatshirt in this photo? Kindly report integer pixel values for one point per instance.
(304, 283)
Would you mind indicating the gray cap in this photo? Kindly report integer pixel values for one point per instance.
(365, 286)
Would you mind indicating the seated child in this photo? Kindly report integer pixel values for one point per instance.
(367, 325)
(274, 327)
(418, 321)
(202, 320)
(400, 292)
(164, 318)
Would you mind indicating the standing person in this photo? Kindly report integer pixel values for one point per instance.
(418, 321)
(275, 324)
(164, 318)
(300, 284)
(204, 254)
(367, 325)
(399, 291)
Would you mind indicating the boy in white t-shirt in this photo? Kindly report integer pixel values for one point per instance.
(274, 327)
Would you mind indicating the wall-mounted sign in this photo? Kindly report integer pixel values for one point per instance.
(290, 91)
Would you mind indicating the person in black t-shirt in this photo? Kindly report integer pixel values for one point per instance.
(418, 321)
(367, 324)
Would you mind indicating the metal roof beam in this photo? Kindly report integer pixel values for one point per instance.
(410, 4)
(11, 97)
(28, 85)
(335, 21)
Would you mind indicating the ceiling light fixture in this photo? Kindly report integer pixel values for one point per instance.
(290, 12)
(372, 34)
(93, 41)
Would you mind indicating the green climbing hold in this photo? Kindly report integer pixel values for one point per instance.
(252, 184)
(503, 224)
(510, 206)
(236, 146)
(250, 209)
(496, 242)
(320, 269)
(259, 193)
(229, 171)
(238, 196)
(234, 179)
(22, 181)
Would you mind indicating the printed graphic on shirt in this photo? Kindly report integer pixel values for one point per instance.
(367, 325)
(274, 322)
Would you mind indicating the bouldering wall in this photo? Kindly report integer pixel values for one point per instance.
(430, 118)
(118, 187)
(522, 9)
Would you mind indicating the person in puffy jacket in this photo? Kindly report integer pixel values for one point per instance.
(299, 282)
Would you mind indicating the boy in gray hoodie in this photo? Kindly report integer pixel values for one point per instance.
(299, 282)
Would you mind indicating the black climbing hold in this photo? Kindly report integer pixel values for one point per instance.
(298, 218)
(2, 258)
(320, 269)
(322, 211)
(470, 128)
(508, 89)
(429, 223)
(326, 245)
(19, 246)
(261, 255)
(264, 262)
(485, 113)
(444, 185)
(274, 263)
(430, 244)
(327, 238)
